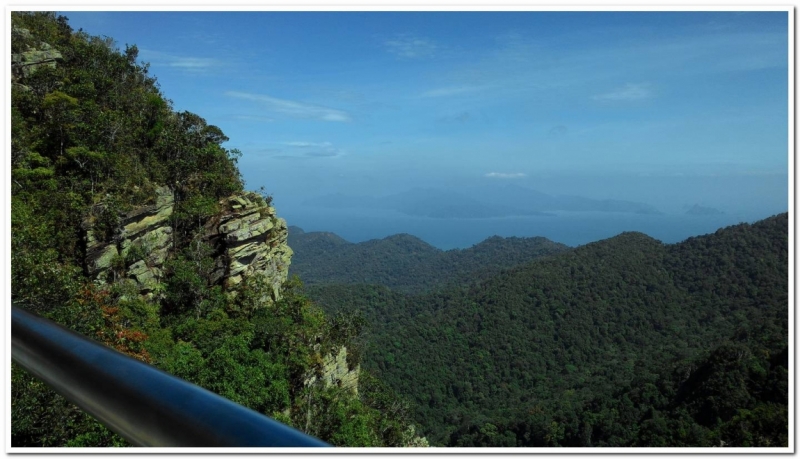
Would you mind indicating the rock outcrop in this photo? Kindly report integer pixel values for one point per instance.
(34, 57)
(336, 372)
(139, 244)
(246, 238)
(249, 238)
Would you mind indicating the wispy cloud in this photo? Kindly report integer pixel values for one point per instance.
(308, 144)
(557, 131)
(524, 65)
(462, 118)
(186, 63)
(263, 119)
(410, 47)
(453, 90)
(630, 91)
(266, 150)
(293, 108)
(304, 149)
(322, 154)
(504, 175)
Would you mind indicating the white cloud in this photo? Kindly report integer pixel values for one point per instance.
(462, 118)
(453, 90)
(628, 92)
(410, 47)
(293, 108)
(504, 175)
(308, 144)
(187, 63)
(192, 62)
(303, 149)
(520, 64)
(264, 119)
(324, 153)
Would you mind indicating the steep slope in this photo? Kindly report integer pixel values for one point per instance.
(559, 339)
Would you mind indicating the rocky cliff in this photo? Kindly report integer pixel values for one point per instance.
(336, 372)
(249, 238)
(34, 56)
(246, 236)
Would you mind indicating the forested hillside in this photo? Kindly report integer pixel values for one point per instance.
(98, 153)
(623, 342)
(405, 263)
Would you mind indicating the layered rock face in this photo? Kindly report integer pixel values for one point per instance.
(139, 246)
(247, 238)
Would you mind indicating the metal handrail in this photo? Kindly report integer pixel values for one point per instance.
(141, 403)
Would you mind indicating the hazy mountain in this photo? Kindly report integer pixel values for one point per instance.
(485, 201)
(437, 203)
(533, 200)
(702, 210)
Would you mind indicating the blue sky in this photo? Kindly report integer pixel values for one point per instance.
(639, 105)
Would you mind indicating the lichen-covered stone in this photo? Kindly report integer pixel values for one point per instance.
(103, 256)
(250, 239)
(336, 372)
(147, 277)
(35, 57)
(145, 227)
(148, 218)
(247, 238)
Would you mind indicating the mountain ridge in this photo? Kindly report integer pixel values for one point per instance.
(406, 262)
(597, 322)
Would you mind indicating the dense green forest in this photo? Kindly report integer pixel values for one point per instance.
(93, 137)
(622, 342)
(404, 262)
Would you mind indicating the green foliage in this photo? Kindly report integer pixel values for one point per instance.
(290, 330)
(622, 342)
(188, 287)
(39, 276)
(245, 376)
(404, 263)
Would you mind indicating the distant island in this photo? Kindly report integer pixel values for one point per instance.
(483, 202)
(702, 210)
